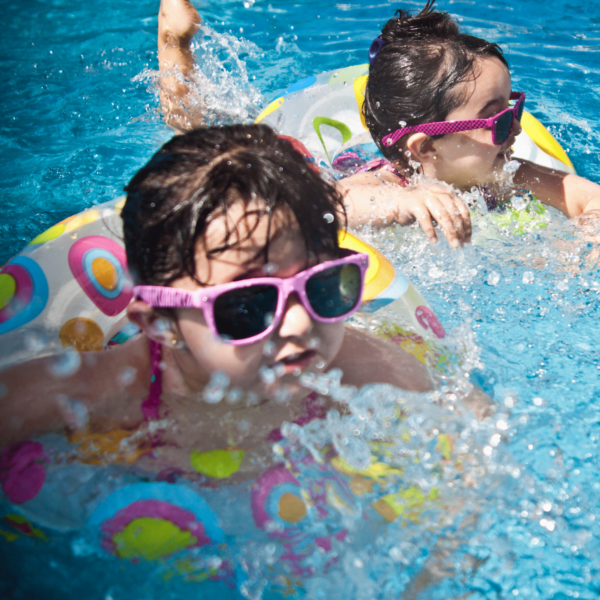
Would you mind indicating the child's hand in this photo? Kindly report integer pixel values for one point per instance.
(435, 202)
(588, 225)
(377, 199)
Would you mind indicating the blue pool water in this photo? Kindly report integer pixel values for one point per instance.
(80, 116)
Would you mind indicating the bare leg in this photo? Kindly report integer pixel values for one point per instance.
(178, 22)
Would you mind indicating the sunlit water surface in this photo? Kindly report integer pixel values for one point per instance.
(520, 517)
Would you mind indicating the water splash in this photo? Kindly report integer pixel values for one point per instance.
(220, 86)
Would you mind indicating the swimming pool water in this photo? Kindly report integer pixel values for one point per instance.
(79, 119)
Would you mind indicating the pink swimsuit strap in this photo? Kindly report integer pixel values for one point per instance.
(151, 404)
(382, 163)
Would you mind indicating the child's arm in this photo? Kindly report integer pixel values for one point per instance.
(367, 359)
(571, 194)
(178, 22)
(37, 397)
(377, 199)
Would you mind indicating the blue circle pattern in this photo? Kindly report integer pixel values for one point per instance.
(274, 498)
(89, 257)
(39, 297)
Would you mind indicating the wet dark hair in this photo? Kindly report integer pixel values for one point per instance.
(415, 75)
(198, 176)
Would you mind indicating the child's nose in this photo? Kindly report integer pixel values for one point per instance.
(517, 128)
(295, 321)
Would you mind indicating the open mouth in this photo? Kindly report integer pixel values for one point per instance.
(299, 360)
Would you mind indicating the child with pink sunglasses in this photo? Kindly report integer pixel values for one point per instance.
(438, 105)
(232, 242)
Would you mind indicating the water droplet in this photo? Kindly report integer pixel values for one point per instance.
(313, 343)
(267, 376)
(74, 412)
(35, 341)
(528, 277)
(66, 364)
(328, 217)
(538, 401)
(279, 370)
(511, 166)
(269, 348)
(402, 123)
(215, 390)
(234, 395)
(518, 202)
(127, 376)
(493, 278)
(270, 268)
(252, 399)
(284, 394)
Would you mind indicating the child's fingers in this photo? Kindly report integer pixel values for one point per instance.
(423, 217)
(452, 229)
(465, 215)
(459, 215)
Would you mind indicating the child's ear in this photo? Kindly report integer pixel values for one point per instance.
(155, 326)
(421, 148)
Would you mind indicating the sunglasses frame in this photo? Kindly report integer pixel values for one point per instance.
(443, 127)
(204, 298)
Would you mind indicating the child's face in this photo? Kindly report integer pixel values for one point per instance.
(470, 158)
(297, 345)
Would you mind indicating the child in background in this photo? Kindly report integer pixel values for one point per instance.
(439, 103)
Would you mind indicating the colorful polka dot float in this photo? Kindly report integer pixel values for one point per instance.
(153, 520)
(99, 265)
(85, 335)
(23, 293)
(277, 499)
(22, 471)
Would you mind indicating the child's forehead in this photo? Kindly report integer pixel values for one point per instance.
(491, 81)
(246, 237)
(246, 225)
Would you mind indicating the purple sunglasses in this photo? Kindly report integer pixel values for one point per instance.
(246, 311)
(501, 124)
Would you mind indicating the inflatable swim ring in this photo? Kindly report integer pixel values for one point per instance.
(69, 287)
(324, 112)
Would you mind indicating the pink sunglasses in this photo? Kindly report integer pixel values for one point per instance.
(500, 124)
(246, 311)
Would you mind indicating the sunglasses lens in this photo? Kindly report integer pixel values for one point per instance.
(334, 292)
(520, 110)
(503, 127)
(243, 313)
